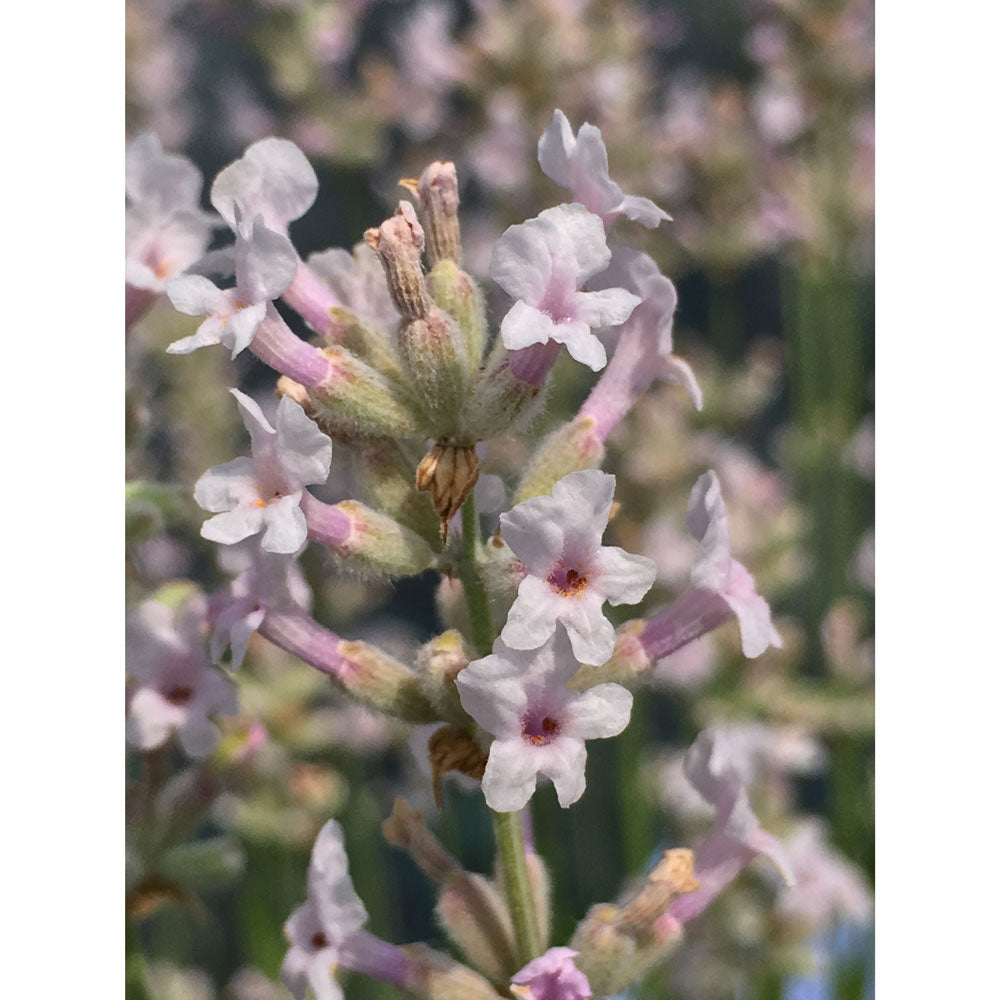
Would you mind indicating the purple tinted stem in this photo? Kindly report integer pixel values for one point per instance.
(327, 523)
(312, 299)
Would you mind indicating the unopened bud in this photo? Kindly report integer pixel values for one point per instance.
(356, 399)
(503, 573)
(538, 879)
(386, 474)
(383, 683)
(434, 355)
(503, 397)
(439, 662)
(567, 449)
(469, 908)
(453, 749)
(437, 190)
(377, 544)
(398, 243)
(473, 914)
(369, 343)
(618, 945)
(439, 977)
(448, 472)
(451, 605)
(459, 296)
(629, 662)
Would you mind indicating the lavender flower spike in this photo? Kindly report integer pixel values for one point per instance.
(580, 164)
(720, 586)
(736, 837)
(543, 263)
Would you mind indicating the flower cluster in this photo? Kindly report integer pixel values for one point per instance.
(401, 373)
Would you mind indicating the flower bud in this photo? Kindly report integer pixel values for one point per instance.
(438, 664)
(504, 396)
(469, 908)
(438, 977)
(567, 449)
(356, 399)
(503, 573)
(372, 345)
(448, 472)
(459, 296)
(434, 355)
(437, 191)
(452, 607)
(618, 945)
(538, 878)
(375, 543)
(382, 682)
(386, 474)
(398, 243)
(204, 864)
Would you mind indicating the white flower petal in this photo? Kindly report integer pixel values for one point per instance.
(194, 295)
(234, 525)
(643, 211)
(491, 690)
(510, 776)
(241, 327)
(532, 617)
(582, 345)
(600, 712)
(525, 325)
(273, 178)
(224, 486)
(265, 265)
(607, 307)
(565, 762)
(623, 577)
(285, 523)
(590, 633)
(555, 147)
(304, 451)
(533, 534)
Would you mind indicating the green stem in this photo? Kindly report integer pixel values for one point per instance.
(476, 597)
(517, 887)
(509, 833)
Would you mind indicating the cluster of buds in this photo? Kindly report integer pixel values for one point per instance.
(405, 376)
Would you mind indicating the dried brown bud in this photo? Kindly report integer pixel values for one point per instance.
(448, 472)
(452, 749)
(399, 242)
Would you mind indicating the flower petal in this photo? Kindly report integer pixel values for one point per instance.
(234, 525)
(285, 523)
(224, 486)
(510, 776)
(525, 325)
(600, 712)
(623, 577)
(304, 451)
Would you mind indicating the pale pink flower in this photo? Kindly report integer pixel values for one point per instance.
(717, 572)
(570, 574)
(358, 280)
(165, 229)
(580, 164)
(645, 342)
(552, 976)
(267, 581)
(320, 927)
(828, 889)
(264, 492)
(720, 586)
(539, 724)
(736, 837)
(174, 689)
(543, 264)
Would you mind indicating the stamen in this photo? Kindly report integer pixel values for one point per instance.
(319, 940)
(179, 695)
